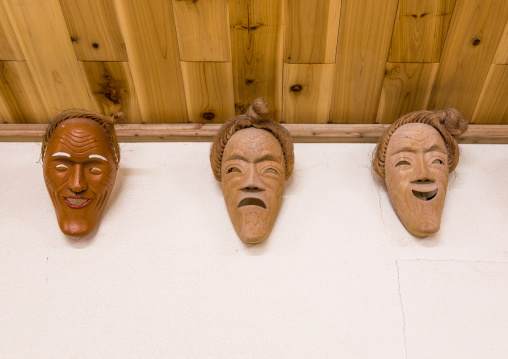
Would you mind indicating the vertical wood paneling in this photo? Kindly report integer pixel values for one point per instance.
(475, 31)
(49, 54)
(209, 91)
(501, 57)
(307, 92)
(364, 40)
(311, 31)
(257, 53)
(493, 103)
(93, 30)
(21, 102)
(150, 35)
(9, 48)
(406, 88)
(390, 57)
(203, 30)
(112, 86)
(420, 30)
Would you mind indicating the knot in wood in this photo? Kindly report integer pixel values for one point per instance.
(296, 88)
(208, 116)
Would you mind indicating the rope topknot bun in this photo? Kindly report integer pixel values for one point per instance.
(258, 110)
(452, 120)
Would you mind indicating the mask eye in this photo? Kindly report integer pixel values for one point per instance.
(402, 163)
(271, 171)
(95, 171)
(61, 167)
(438, 162)
(233, 169)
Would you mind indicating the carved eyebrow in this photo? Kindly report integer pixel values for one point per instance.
(236, 157)
(435, 148)
(268, 158)
(405, 149)
(99, 157)
(63, 154)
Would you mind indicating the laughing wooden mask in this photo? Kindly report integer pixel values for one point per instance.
(415, 156)
(252, 157)
(81, 155)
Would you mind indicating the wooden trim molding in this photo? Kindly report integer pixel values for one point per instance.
(196, 132)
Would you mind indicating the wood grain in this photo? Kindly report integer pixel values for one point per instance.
(113, 88)
(475, 31)
(94, 30)
(501, 57)
(209, 91)
(493, 103)
(364, 40)
(20, 98)
(311, 31)
(420, 30)
(307, 92)
(203, 30)
(256, 32)
(310, 133)
(406, 88)
(150, 36)
(9, 47)
(48, 51)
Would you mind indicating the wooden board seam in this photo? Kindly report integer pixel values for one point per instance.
(195, 132)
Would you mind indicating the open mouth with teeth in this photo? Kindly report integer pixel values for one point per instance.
(76, 202)
(252, 202)
(425, 196)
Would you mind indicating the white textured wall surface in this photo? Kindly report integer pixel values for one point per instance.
(165, 276)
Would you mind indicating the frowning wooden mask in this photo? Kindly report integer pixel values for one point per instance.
(252, 157)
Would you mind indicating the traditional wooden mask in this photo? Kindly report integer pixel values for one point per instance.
(417, 177)
(80, 165)
(253, 182)
(252, 157)
(416, 156)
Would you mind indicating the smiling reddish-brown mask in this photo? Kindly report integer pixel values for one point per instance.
(79, 171)
(253, 180)
(417, 177)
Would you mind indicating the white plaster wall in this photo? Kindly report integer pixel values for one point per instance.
(165, 276)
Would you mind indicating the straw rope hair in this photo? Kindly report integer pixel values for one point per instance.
(447, 122)
(254, 117)
(107, 122)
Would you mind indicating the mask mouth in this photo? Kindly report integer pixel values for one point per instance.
(76, 202)
(425, 196)
(252, 202)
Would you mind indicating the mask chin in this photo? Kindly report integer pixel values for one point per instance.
(75, 227)
(419, 211)
(251, 223)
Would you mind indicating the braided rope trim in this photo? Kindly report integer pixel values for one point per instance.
(230, 127)
(446, 122)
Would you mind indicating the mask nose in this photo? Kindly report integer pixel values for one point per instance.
(253, 181)
(77, 180)
(423, 173)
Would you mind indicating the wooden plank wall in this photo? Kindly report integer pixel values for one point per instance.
(203, 61)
